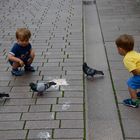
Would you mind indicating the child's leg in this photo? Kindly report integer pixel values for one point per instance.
(133, 93)
(28, 63)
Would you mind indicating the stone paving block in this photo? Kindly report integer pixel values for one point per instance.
(72, 68)
(5, 89)
(115, 65)
(14, 109)
(72, 77)
(131, 126)
(55, 60)
(66, 107)
(79, 124)
(40, 108)
(53, 73)
(51, 64)
(69, 115)
(26, 77)
(20, 89)
(22, 94)
(70, 72)
(51, 94)
(11, 125)
(52, 68)
(72, 88)
(122, 94)
(120, 85)
(123, 75)
(20, 102)
(10, 116)
(74, 60)
(75, 82)
(68, 133)
(106, 127)
(71, 64)
(13, 134)
(40, 134)
(38, 116)
(46, 101)
(4, 83)
(50, 77)
(42, 124)
(70, 100)
(73, 94)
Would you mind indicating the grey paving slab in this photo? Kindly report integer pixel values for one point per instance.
(68, 133)
(103, 121)
(42, 124)
(13, 134)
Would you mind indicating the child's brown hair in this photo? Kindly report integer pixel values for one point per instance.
(23, 34)
(125, 42)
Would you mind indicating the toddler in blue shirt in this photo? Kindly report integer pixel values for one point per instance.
(21, 53)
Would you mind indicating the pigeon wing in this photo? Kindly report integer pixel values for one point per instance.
(41, 87)
(90, 71)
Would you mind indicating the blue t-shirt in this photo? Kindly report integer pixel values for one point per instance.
(21, 52)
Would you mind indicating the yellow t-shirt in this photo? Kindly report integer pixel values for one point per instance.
(132, 61)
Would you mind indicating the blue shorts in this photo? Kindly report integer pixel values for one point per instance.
(134, 82)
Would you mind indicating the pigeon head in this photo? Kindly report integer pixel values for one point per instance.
(84, 64)
(33, 86)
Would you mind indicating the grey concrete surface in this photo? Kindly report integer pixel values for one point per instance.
(102, 118)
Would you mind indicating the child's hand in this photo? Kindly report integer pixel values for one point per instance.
(30, 60)
(21, 63)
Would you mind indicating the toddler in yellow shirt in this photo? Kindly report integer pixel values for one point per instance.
(131, 60)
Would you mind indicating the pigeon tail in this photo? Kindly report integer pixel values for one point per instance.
(99, 72)
(3, 94)
(49, 84)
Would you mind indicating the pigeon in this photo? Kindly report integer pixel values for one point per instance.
(3, 94)
(90, 71)
(41, 87)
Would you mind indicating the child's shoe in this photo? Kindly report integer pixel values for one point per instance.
(17, 72)
(131, 103)
(29, 68)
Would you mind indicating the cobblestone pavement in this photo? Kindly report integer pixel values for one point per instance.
(56, 27)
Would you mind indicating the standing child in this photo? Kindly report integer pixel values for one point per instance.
(131, 60)
(21, 53)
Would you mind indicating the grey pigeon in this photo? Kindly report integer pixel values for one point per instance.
(41, 87)
(90, 71)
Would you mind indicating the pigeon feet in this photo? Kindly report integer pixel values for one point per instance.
(40, 94)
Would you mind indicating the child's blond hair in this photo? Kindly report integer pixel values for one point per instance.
(23, 34)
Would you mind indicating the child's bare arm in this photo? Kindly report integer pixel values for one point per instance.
(15, 59)
(32, 53)
(135, 72)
